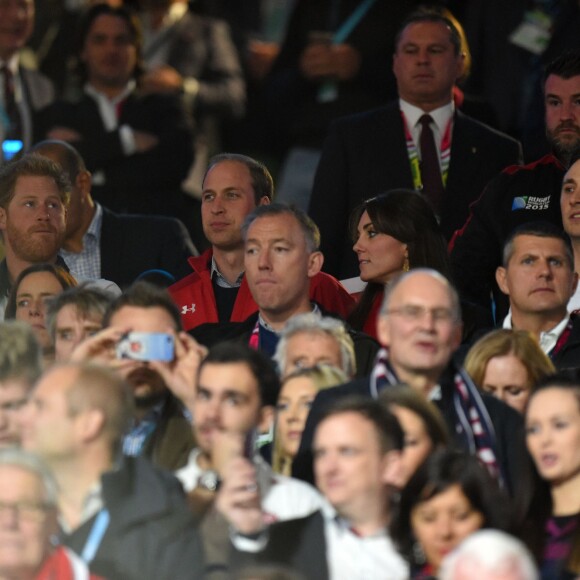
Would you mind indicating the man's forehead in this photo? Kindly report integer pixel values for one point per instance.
(283, 226)
(573, 174)
(421, 289)
(557, 85)
(526, 244)
(414, 33)
(221, 378)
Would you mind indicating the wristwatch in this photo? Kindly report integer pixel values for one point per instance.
(209, 480)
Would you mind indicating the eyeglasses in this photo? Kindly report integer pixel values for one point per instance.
(415, 313)
(25, 511)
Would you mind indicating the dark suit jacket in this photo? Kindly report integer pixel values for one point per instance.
(299, 544)
(131, 244)
(365, 347)
(147, 182)
(507, 423)
(365, 155)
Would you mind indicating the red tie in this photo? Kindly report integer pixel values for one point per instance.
(430, 169)
(14, 129)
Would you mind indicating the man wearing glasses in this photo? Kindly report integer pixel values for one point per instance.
(419, 328)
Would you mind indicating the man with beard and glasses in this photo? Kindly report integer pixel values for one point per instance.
(34, 194)
(161, 429)
(521, 194)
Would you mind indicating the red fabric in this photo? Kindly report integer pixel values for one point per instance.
(370, 325)
(58, 567)
(195, 292)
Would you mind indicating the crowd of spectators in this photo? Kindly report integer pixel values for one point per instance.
(368, 371)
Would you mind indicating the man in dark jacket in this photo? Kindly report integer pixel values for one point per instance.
(538, 277)
(419, 327)
(520, 194)
(126, 519)
(100, 243)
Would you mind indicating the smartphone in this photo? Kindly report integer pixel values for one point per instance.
(10, 148)
(146, 346)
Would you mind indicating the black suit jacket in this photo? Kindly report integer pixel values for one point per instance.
(131, 244)
(299, 544)
(148, 182)
(365, 155)
(507, 423)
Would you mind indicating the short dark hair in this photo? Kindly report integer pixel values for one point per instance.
(565, 66)
(442, 470)
(262, 181)
(387, 427)
(307, 225)
(122, 12)
(32, 166)
(65, 279)
(144, 295)
(68, 157)
(261, 367)
(430, 15)
(539, 229)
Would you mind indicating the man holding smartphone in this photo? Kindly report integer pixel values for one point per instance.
(136, 324)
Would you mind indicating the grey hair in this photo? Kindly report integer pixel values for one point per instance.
(394, 284)
(494, 552)
(312, 323)
(307, 225)
(27, 461)
(20, 352)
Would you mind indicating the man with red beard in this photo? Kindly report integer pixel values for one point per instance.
(520, 194)
(34, 194)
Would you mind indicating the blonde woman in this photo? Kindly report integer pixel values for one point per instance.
(507, 364)
(294, 401)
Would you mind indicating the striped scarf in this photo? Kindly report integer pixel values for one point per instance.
(472, 418)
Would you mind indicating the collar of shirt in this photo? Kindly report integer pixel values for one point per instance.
(220, 280)
(332, 516)
(92, 504)
(315, 310)
(12, 64)
(549, 338)
(441, 117)
(107, 106)
(86, 264)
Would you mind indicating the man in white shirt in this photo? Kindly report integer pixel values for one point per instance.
(137, 145)
(237, 388)
(448, 156)
(357, 454)
(538, 277)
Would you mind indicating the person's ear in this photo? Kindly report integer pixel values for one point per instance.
(501, 279)
(315, 261)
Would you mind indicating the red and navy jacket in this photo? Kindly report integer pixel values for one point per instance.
(196, 301)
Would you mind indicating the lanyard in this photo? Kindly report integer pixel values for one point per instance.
(351, 22)
(96, 535)
(413, 153)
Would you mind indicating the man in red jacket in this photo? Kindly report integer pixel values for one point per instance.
(233, 186)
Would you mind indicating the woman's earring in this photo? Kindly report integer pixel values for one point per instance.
(406, 265)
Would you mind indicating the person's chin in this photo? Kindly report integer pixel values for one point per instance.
(147, 397)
